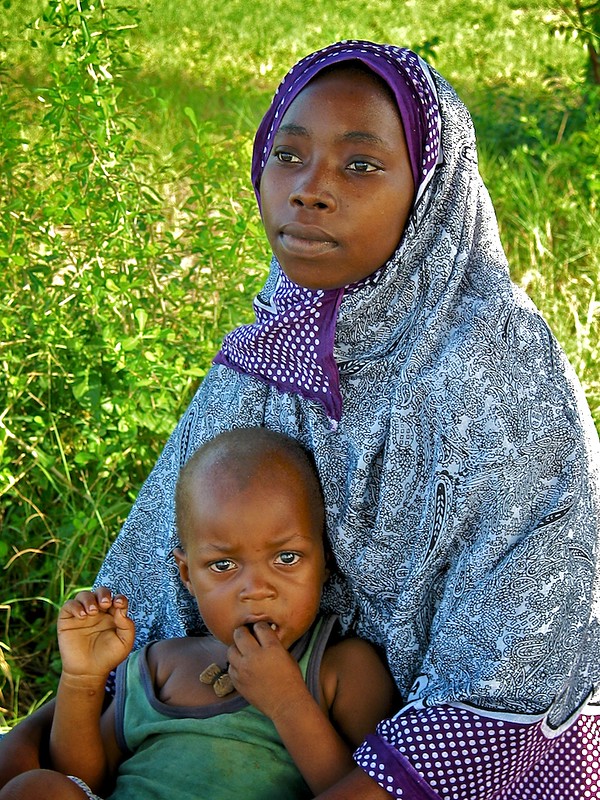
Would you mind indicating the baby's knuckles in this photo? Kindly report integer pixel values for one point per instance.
(269, 678)
(93, 644)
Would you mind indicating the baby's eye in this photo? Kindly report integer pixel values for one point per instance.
(288, 558)
(362, 166)
(286, 158)
(225, 565)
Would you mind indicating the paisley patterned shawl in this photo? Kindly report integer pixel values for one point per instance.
(462, 486)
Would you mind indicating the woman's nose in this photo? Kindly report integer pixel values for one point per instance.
(314, 190)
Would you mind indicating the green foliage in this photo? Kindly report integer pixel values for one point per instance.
(582, 22)
(113, 301)
(130, 242)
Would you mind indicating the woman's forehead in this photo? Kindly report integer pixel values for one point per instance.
(343, 108)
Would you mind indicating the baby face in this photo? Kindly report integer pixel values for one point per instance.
(337, 187)
(255, 553)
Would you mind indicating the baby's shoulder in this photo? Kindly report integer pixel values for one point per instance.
(350, 663)
(352, 653)
(357, 686)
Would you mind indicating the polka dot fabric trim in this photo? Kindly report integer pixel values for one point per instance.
(290, 346)
(467, 756)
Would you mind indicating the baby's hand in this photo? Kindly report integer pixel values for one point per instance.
(94, 633)
(263, 671)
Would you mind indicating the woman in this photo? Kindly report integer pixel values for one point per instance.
(457, 454)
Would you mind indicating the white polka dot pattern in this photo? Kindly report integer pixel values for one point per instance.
(467, 756)
(290, 346)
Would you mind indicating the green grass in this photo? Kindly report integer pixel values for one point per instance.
(225, 59)
(130, 242)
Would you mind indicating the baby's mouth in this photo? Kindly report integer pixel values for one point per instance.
(250, 626)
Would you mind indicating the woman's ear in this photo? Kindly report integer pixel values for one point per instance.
(182, 564)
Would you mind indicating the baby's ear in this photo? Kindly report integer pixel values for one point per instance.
(182, 564)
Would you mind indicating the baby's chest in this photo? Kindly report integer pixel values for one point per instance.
(177, 679)
(186, 691)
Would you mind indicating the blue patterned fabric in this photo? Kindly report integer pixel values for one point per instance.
(461, 484)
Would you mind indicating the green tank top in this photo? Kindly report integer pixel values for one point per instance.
(226, 750)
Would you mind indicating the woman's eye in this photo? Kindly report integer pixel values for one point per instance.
(288, 558)
(287, 158)
(225, 565)
(362, 166)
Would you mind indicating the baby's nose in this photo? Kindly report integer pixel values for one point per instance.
(256, 585)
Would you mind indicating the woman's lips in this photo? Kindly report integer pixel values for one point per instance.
(306, 240)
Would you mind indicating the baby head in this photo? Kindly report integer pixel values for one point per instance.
(250, 518)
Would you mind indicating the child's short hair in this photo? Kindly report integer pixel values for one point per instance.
(238, 453)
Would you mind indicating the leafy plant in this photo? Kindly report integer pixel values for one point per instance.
(582, 21)
(114, 297)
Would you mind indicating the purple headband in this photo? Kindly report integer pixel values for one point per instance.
(404, 73)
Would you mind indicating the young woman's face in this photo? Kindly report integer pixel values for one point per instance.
(255, 554)
(337, 188)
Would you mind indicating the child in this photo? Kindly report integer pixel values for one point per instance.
(250, 516)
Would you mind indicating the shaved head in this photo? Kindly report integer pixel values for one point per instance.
(234, 460)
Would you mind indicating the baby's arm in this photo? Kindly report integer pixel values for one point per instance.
(265, 673)
(94, 636)
(358, 689)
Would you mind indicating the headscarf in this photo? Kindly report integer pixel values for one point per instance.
(403, 71)
(461, 484)
(290, 345)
